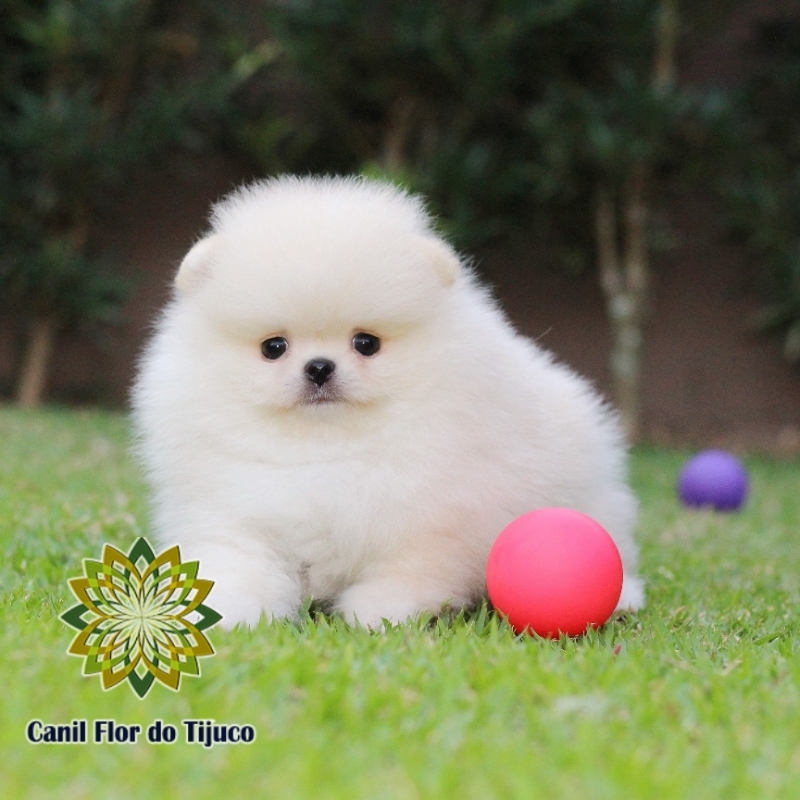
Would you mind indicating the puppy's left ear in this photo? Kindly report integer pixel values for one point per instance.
(442, 258)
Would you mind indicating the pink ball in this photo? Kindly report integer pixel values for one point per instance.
(554, 571)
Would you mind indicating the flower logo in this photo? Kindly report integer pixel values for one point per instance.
(140, 617)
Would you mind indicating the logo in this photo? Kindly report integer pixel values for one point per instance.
(140, 618)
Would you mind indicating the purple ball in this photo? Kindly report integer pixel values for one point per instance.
(713, 478)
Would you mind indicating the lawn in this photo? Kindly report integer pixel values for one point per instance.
(698, 696)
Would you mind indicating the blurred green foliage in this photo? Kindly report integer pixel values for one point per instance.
(91, 91)
(499, 111)
(429, 92)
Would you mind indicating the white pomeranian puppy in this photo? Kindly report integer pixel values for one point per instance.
(333, 407)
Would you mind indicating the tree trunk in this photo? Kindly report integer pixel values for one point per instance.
(666, 44)
(33, 377)
(624, 275)
(623, 278)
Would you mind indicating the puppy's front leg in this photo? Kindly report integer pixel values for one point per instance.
(248, 582)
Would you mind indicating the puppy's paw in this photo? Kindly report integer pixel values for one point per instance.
(235, 608)
(247, 585)
(632, 596)
(239, 608)
(370, 604)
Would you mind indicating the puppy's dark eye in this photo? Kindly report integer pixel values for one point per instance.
(274, 348)
(366, 344)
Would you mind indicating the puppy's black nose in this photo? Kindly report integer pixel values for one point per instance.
(319, 370)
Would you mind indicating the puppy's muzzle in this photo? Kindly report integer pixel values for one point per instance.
(319, 370)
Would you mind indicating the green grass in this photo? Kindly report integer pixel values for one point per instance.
(695, 697)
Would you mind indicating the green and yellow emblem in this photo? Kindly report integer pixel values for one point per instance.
(140, 617)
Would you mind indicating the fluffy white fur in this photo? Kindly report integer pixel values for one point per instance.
(380, 494)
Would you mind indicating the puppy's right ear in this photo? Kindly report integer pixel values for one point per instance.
(196, 265)
(442, 258)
